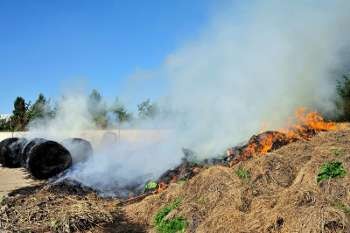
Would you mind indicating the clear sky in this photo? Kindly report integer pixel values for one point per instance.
(46, 44)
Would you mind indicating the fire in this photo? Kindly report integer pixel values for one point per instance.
(307, 124)
(161, 187)
(314, 120)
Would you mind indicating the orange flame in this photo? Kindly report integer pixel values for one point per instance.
(307, 124)
(161, 187)
(314, 120)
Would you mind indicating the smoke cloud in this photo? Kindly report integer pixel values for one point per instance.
(252, 66)
(255, 69)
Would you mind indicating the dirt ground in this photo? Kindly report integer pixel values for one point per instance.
(281, 194)
(11, 179)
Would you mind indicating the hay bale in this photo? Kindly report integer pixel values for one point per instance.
(47, 159)
(10, 152)
(27, 148)
(80, 149)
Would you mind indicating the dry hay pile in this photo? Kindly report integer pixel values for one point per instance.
(55, 208)
(280, 194)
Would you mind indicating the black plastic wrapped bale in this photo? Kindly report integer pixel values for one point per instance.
(27, 148)
(10, 152)
(80, 149)
(47, 159)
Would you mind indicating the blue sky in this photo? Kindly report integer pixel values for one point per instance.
(47, 44)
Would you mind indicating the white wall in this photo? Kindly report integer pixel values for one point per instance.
(95, 136)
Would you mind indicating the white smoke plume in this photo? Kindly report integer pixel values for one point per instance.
(252, 66)
(255, 69)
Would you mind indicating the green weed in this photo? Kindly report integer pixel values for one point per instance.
(174, 225)
(151, 185)
(243, 173)
(331, 170)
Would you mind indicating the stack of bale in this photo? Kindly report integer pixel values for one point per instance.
(43, 158)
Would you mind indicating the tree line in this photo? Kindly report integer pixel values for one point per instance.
(25, 112)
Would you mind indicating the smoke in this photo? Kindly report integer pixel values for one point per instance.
(252, 66)
(121, 162)
(71, 119)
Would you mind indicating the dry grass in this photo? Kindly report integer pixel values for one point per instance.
(51, 208)
(282, 194)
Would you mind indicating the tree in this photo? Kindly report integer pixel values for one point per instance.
(4, 124)
(120, 112)
(147, 109)
(38, 109)
(97, 109)
(343, 89)
(19, 118)
(95, 97)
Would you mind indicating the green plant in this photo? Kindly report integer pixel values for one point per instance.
(243, 173)
(151, 185)
(173, 225)
(331, 170)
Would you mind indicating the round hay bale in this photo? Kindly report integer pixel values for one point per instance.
(27, 148)
(10, 152)
(80, 149)
(47, 159)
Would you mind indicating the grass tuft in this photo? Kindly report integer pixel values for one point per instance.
(331, 170)
(243, 173)
(176, 224)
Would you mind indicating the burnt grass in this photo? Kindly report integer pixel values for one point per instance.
(281, 195)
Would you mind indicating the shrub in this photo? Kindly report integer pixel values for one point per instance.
(243, 173)
(331, 170)
(151, 185)
(173, 225)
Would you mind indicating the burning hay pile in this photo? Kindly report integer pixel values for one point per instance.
(307, 125)
(286, 191)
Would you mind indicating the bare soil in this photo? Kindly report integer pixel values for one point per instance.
(281, 195)
(11, 179)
